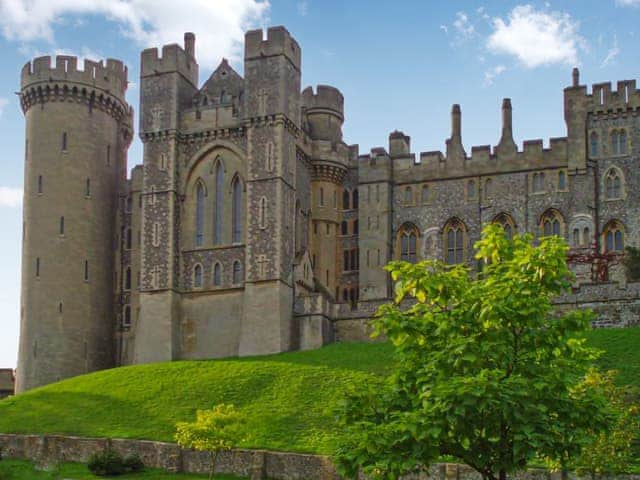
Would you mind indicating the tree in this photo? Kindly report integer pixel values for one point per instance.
(485, 372)
(213, 431)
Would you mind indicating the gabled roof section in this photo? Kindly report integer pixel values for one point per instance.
(223, 82)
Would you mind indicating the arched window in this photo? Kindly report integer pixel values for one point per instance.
(262, 215)
(344, 228)
(424, 195)
(219, 213)
(615, 146)
(538, 182)
(408, 242)
(454, 241)
(551, 223)
(128, 239)
(613, 234)
(200, 194)
(408, 196)
(354, 201)
(613, 184)
(346, 197)
(270, 160)
(471, 189)
(127, 279)
(586, 236)
(622, 139)
(562, 180)
(355, 227)
(197, 276)
(321, 202)
(488, 188)
(576, 237)
(346, 266)
(126, 316)
(506, 221)
(217, 275)
(236, 226)
(237, 272)
(594, 144)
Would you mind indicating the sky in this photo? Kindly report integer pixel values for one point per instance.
(400, 65)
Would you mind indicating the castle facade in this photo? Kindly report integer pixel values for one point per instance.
(251, 227)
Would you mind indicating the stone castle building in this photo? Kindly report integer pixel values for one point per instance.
(251, 227)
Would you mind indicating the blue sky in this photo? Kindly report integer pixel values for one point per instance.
(400, 65)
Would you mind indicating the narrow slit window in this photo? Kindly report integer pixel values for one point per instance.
(40, 184)
(108, 154)
(37, 266)
(64, 141)
(62, 225)
(87, 188)
(86, 270)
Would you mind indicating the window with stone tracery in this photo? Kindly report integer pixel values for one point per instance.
(236, 213)
(455, 233)
(613, 184)
(506, 222)
(200, 194)
(551, 223)
(613, 235)
(408, 242)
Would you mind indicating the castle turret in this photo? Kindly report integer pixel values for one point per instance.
(325, 112)
(78, 128)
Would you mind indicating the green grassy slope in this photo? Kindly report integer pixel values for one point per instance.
(287, 398)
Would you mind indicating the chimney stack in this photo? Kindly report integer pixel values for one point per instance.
(576, 77)
(190, 44)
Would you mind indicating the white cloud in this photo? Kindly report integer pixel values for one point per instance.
(492, 73)
(444, 29)
(628, 3)
(219, 25)
(10, 197)
(3, 103)
(613, 52)
(303, 8)
(536, 37)
(463, 26)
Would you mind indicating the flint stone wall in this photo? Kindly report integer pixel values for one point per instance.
(47, 450)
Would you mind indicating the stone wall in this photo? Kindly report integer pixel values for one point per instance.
(48, 450)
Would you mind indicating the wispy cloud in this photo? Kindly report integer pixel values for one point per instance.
(3, 103)
(492, 73)
(537, 37)
(303, 8)
(613, 52)
(10, 197)
(444, 28)
(219, 25)
(628, 3)
(463, 27)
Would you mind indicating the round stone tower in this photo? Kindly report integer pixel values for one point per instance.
(78, 129)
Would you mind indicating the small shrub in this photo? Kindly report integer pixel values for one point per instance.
(106, 463)
(133, 463)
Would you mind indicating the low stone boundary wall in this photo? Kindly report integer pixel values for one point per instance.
(47, 450)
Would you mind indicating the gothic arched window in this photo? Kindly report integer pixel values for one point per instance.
(200, 194)
(408, 196)
(622, 142)
(236, 221)
(127, 279)
(613, 234)
(197, 276)
(594, 144)
(343, 228)
(551, 223)
(424, 195)
(219, 212)
(345, 199)
(126, 316)
(471, 189)
(562, 180)
(408, 242)
(488, 188)
(506, 221)
(538, 182)
(217, 274)
(613, 184)
(237, 272)
(354, 200)
(455, 233)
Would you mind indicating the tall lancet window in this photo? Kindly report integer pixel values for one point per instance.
(237, 211)
(199, 215)
(262, 217)
(217, 228)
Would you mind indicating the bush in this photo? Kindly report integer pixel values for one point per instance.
(105, 463)
(133, 463)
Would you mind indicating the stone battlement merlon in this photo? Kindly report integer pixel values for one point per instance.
(279, 42)
(174, 59)
(604, 99)
(325, 98)
(110, 76)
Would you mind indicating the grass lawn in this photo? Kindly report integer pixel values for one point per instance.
(288, 399)
(22, 470)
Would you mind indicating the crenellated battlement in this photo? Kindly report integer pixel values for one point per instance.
(174, 59)
(326, 98)
(279, 42)
(604, 99)
(110, 76)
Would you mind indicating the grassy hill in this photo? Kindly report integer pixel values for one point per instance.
(288, 399)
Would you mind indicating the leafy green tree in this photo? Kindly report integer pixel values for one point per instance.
(485, 373)
(213, 431)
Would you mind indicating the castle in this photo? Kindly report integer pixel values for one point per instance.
(251, 227)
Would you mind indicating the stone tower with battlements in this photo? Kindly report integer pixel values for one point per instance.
(78, 129)
(251, 227)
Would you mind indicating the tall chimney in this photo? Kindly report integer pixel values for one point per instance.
(456, 128)
(576, 77)
(190, 44)
(507, 120)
